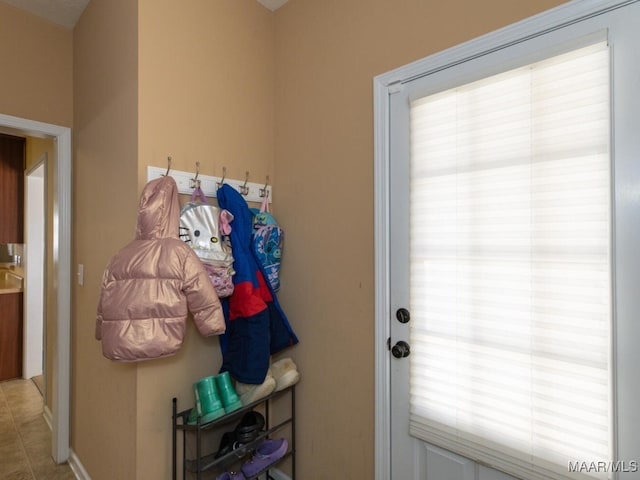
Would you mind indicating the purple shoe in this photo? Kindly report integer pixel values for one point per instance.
(231, 476)
(266, 454)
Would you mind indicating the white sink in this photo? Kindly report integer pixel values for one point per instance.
(10, 282)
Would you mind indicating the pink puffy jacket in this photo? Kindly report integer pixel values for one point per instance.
(150, 285)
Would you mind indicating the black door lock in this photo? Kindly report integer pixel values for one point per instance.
(403, 315)
(401, 349)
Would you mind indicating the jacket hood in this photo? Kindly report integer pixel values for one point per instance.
(231, 200)
(159, 210)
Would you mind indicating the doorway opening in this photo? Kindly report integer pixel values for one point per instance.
(61, 251)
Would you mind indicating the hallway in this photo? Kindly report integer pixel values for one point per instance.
(25, 438)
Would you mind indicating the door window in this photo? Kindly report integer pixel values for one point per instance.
(510, 272)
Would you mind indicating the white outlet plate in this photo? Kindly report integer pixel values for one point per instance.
(80, 274)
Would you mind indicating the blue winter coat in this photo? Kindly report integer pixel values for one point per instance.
(256, 325)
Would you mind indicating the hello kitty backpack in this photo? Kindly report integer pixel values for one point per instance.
(206, 228)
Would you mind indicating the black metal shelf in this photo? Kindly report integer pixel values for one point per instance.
(204, 463)
(290, 453)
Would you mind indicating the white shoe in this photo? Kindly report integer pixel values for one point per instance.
(249, 392)
(285, 373)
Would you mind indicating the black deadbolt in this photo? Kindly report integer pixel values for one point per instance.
(403, 315)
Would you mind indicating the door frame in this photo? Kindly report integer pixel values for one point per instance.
(385, 85)
(62, 206)
(33, 354)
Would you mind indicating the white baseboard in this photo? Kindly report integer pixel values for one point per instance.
(278, 475)
(48, 417)
(74, 462)
(77, 467)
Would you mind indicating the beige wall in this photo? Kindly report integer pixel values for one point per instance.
(206, 93)
(35, 148)
(327, 53)
(36, 80)
(207, 86)
(192, 82)
(103, 394)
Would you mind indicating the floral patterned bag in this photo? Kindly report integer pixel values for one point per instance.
(267, 242)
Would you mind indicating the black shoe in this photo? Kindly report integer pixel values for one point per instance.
(228, 443)
(249, 427)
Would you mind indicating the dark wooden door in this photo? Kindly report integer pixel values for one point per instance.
(12, 163)
(10, 336)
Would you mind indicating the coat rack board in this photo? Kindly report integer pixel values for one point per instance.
(209, 184)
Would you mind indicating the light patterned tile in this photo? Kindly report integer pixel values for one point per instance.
(35, 431)
(19, 475)
(25, 438)
(13, 461)
(10, 441)
(18, 389)
(53, 472)
(39, 453)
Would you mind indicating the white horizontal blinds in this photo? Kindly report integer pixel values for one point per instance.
(510, 267)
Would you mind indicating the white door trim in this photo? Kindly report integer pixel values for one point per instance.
(62, 273)
(34, 263)
(382, 314)
(384, 85)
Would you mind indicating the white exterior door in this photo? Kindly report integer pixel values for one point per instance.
(399, 455)
(411, 458)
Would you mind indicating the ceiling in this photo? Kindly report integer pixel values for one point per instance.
(62, 12)
(272, 5)
(67, 12)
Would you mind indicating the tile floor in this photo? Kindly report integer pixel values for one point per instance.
(25, 438)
